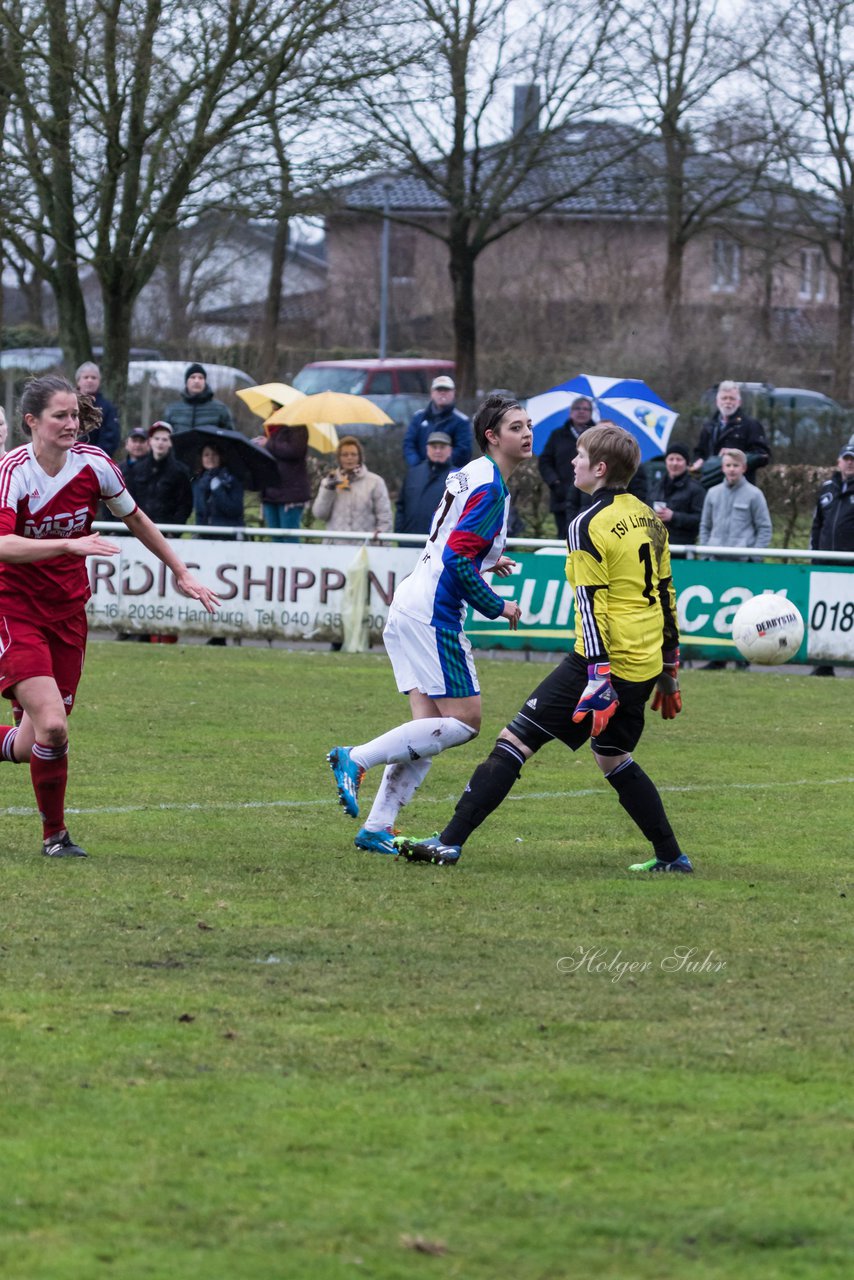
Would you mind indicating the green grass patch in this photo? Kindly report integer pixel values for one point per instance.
(234, 1046)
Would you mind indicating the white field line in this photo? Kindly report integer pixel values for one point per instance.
(227, 806)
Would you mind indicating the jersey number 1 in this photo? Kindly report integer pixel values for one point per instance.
(645, 557)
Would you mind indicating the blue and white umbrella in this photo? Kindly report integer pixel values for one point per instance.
(628, 402)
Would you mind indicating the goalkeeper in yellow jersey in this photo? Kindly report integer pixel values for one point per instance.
(627, 645)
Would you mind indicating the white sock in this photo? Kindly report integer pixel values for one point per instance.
(398, 786)
(415, 740)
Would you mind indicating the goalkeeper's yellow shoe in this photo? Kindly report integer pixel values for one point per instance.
(682, 863)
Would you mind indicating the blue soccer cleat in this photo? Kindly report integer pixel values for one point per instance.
(682, 863)
(429, 849)
(348, 776)
(376, 842)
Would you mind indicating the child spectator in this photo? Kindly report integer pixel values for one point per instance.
(217, 493)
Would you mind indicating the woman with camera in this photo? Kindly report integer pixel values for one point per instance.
(351, 497)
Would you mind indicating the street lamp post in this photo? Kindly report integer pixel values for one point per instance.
(384, 255)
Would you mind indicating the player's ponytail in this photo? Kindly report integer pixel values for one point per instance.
(90, 414)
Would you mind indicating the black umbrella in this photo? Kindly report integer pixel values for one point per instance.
(249, 462)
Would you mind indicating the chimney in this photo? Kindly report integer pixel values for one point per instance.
(526, 108)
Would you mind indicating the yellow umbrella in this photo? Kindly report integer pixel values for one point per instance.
(331, 406)
(322, 436)
(268, 397)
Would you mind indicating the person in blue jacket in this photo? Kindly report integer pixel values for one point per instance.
(217, 492)
(440, 415)
(423, 487)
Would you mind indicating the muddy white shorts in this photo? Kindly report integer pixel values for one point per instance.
(438, 663)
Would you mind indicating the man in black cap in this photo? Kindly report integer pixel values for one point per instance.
(676, 498)
(197, 406)
(441, 414)
(833, 522)
(423, 486)
(136, 447)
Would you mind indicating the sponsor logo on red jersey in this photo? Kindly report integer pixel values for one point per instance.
(62, 524)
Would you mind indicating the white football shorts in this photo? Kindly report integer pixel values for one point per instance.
(438, 663)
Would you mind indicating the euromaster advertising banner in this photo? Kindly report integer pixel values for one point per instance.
(708, 593)
(297, 591)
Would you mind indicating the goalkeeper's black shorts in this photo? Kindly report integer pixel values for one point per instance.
(547, 713)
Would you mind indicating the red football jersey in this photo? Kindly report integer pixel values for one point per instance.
(36, 505)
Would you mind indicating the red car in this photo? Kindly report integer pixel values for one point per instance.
(392, 377)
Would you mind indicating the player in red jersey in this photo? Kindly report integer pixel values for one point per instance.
(49, 493)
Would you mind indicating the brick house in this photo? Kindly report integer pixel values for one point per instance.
(598, 253)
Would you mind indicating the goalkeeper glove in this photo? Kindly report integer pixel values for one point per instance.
(668, 699)
(599, 698)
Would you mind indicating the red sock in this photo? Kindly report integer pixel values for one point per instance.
(8, 734)
(49, 772)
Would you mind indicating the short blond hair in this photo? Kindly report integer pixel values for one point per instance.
(618, 449)
(737, 455)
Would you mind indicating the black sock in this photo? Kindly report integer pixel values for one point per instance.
(639, 797)
(489, 784)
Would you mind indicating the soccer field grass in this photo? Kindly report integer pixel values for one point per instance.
(233, 1046)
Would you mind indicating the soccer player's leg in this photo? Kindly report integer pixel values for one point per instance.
(43, 704)
(435, 669)
(424, 736)
(636, 792)
(15, 745)
(398, 786)
(47, 700)
(17, 741)
(545, 715)
(25, 652)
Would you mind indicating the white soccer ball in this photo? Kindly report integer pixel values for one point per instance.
(768, 629)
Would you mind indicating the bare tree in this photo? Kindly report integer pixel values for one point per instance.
(283, 204)
(442, 120)
(683, 61)
(809, 74)
(4, 111)
(302, 163)
(121, 115)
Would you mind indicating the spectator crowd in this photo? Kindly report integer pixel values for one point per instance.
(706, 495)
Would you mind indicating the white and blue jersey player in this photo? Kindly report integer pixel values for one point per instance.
(424, 637)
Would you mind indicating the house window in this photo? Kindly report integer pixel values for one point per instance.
(726, 266)
(813, 275)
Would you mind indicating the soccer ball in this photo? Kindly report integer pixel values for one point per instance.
(768, 629)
